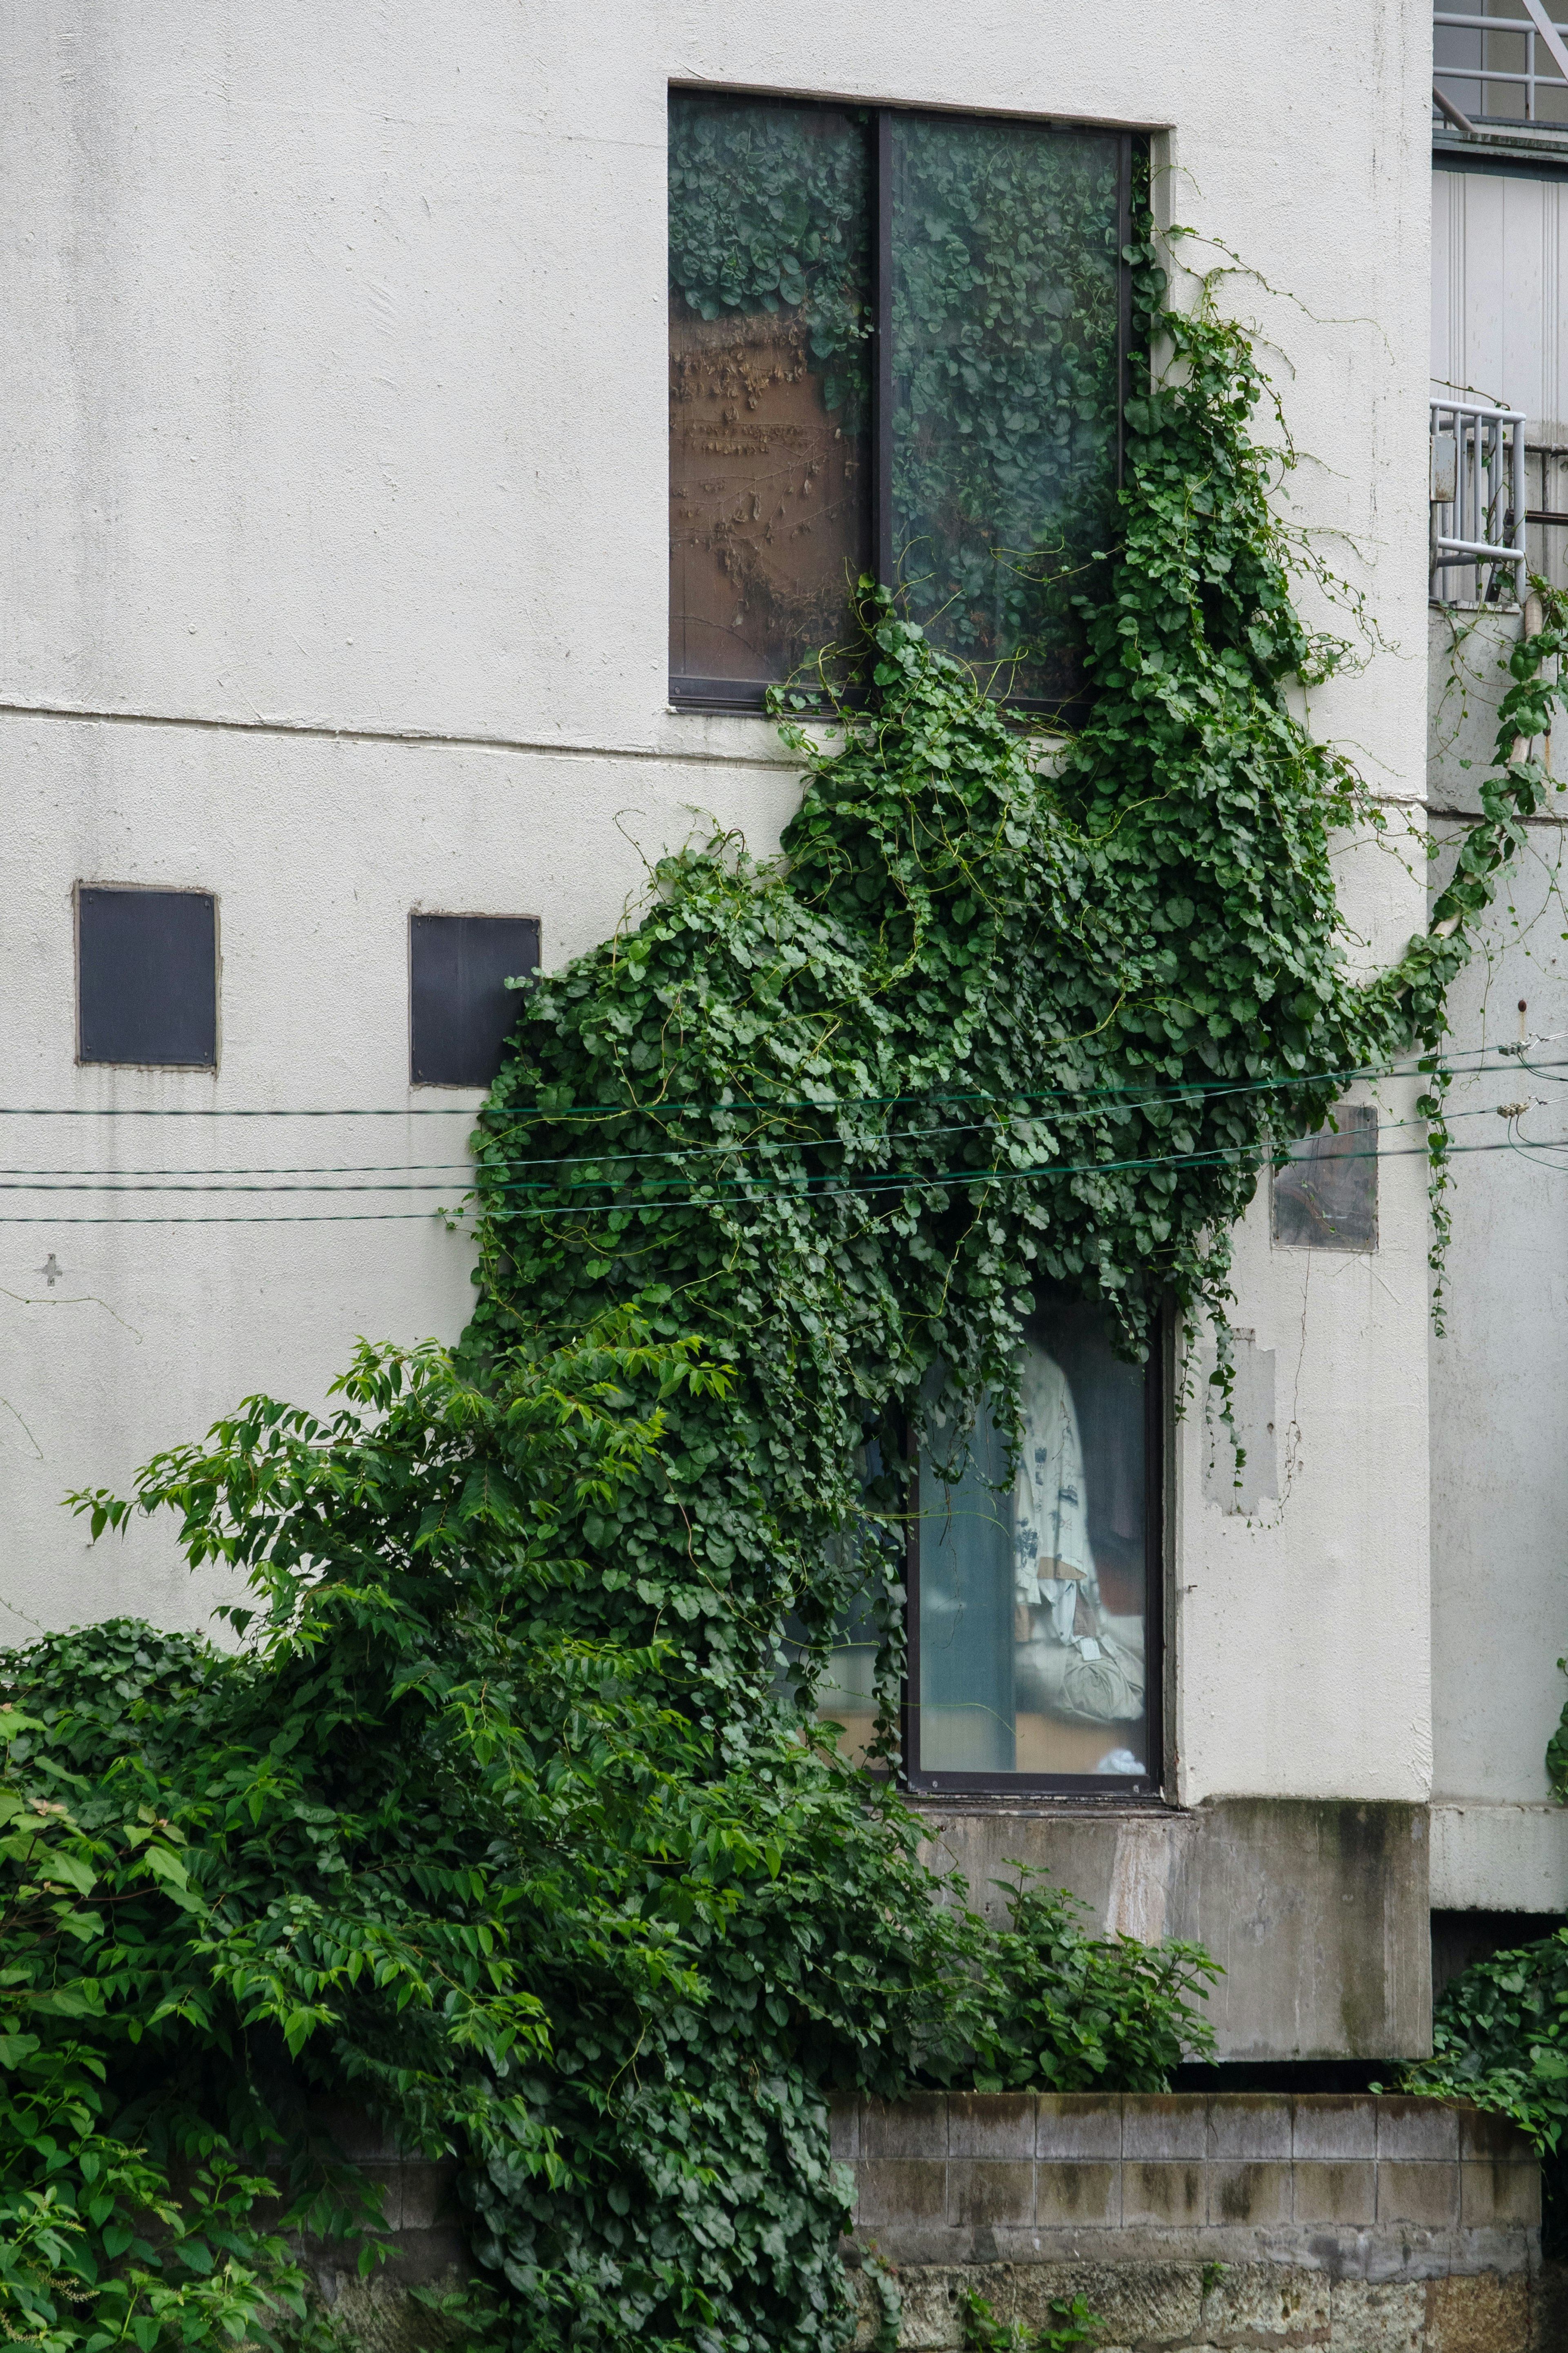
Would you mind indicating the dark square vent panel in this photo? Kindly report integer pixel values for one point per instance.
(462, 1011)
(147, 976)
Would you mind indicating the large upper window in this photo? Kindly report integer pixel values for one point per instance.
(1035, 1577)
(897, 343)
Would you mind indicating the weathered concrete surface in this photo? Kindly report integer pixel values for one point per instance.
(1353, 2186)
(1499, 1858)
(1361, 2224)
(1316, 1910)
(1177, 2308)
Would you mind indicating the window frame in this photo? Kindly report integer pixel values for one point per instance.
(921, 1783)
(708, 695)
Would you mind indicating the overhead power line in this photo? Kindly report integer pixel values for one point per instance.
(901, 1183)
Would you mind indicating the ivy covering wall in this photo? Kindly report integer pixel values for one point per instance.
(505, 1819)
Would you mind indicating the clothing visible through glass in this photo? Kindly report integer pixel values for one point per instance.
(1032, 1632)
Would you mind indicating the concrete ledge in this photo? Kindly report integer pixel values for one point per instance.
(1356, 2188)
(1499, 1858)
(1317, 1909)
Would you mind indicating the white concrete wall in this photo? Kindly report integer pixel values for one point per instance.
(1499, 1471)
(333, 511)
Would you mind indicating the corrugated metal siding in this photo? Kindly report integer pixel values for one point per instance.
(1500, 250)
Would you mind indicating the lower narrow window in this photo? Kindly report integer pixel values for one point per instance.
(1034, 1582)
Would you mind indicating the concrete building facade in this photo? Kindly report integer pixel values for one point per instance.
(334, 503)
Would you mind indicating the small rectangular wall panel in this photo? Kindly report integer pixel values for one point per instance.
(147, 977)
(461, 1010)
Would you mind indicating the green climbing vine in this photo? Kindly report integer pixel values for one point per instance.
(509, 1817)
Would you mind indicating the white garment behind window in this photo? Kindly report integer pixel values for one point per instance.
(1050, 1504)
(1096, 1676)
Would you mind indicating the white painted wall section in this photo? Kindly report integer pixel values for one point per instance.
(334, 580)
(1499, 1475)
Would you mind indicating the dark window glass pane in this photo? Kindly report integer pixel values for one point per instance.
(1325, 1196)
(770, 317)
(147, 976)
(1007, 385)
(1032, 1583)
(462, 1010)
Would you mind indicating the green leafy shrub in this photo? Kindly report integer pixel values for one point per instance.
(1499, 2040)
(524, 1892)
(1081, 2013)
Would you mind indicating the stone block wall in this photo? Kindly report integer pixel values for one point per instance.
(1359, 2224)
(1190, 2223)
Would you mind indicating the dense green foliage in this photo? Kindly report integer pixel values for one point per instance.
(424, 1842)
(504, 1819)
(1500, 2039)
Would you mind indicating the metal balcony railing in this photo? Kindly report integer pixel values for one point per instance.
(1532, 51)
(1478, 502)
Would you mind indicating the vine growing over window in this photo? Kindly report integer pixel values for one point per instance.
(510, 1818)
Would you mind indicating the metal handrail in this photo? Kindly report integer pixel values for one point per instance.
(1477, 487)
(1521, 27)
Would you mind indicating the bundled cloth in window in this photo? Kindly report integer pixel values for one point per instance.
(1031, 1619)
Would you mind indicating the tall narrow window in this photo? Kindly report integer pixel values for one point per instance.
(1034, 1580)
(770, 367)
(898, 343)
(1005, 241)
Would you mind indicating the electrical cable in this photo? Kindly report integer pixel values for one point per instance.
(902, 1184)
(1399, 1065)
(115, 1180)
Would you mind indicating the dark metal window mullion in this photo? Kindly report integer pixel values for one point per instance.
(882, 399)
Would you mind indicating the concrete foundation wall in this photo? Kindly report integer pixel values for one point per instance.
(1317, 1912)
(1361, 2224)
(1194, 2223)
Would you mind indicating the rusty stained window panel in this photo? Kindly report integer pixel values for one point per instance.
(770, 320)
(898, 343)
(1325, 1190)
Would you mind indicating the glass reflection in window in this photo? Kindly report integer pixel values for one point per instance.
(1032, 1602)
